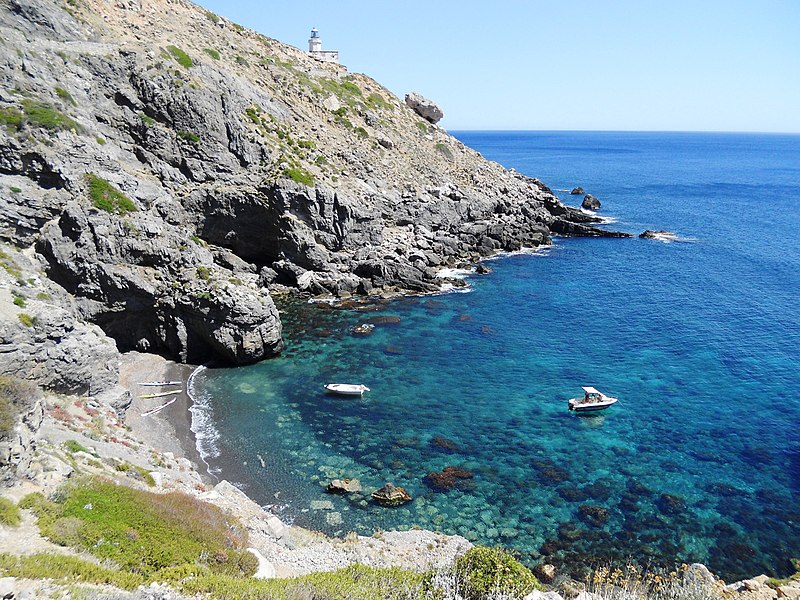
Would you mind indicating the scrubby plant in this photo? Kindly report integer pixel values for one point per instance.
(19, 301)
(308, 144)
(211, 52)
(377, 101)
(212, 17)
(633, 581)
(9, 265)
(484, 571)
(9, 513)
(241, 60)
(299, 175)
(445, 150)
(361, 132)
(16, 397)
(66, 569)
(180, 57)
(26, 319)
(14, 189)
(65, 95)
(75, 446)
(100, 141)
(11, 117)
(423, 127)
(147, 120)
(188, 136)
(203, 272)
(39, 114)
(107, 197)
(143, 532)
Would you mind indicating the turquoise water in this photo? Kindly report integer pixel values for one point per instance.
(700, 459)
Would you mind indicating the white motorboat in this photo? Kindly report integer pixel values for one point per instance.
(592, 400)
(346, 389)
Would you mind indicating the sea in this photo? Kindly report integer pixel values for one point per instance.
(698, 337)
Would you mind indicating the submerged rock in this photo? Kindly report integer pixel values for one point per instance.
(658, 234)
(344, 486)
(448, 478)
(442, 443)
(593, 515)
(391, 495)
(364, 329)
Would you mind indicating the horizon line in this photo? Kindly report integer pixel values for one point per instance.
(738, 132)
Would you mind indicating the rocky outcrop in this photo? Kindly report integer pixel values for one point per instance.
(577, 191)
(242, 171)
(590, 202)
(427, 109)
(659, 234)
(343, 486)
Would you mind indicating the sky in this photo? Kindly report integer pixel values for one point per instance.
(624, 65)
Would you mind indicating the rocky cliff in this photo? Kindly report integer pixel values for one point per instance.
(170, 169)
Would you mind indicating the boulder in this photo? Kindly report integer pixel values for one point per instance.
(590, 202)
(546, 573)
(425, 108)
(344, 486)
(391, 495)
(482, 269)
(577, 191)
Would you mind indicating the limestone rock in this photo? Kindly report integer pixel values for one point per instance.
(391, 495)
(344, 486)
(590, 202)
(425, 108)
(537, 595)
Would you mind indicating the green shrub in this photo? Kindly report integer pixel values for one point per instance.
(42, 115)
(16, 397)
(147, 120)
(189, 136)
(10, 265)
(204, 273)
(489, 570)
(361, 132)
(100, 141)
(241, 60)
(11, 117)
(108, 198)
(180, 57)
(75, 446)
(445, 150)
(19, 301)
(14, 189)
(299, 175)
(424, 127)
(211, 52)
(308, 144)
(27, 319)
(66, 569)
(143, 532)
(212, 17)
(377, 101)
(43, 296)
(352, 88)
(65, 95)
(321, 161)
(9, 513)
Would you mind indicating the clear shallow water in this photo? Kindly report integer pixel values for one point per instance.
(700, 459)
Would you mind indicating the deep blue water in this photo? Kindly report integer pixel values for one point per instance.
(700, 459)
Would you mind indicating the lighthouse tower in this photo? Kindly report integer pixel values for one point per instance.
(315, 49)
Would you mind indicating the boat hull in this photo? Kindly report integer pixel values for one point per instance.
(343, 389)
(577, 406)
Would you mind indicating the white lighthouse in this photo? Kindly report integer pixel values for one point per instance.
(315, 49)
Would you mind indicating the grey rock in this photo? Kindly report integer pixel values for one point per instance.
(577, 191)
(427, 109)
(590, 202)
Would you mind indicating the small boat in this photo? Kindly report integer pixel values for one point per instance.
(160, 383)
(153, 411)
(159, 394)
(346, 389)
(592, 400)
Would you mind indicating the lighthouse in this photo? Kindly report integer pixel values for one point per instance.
(315, 49)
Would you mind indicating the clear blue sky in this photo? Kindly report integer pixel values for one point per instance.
(684, 65)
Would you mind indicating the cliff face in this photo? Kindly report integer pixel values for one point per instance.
(171, 168)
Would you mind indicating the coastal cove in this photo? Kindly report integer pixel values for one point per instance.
(699, 461)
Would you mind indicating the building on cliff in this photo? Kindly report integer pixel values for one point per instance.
(315, 49)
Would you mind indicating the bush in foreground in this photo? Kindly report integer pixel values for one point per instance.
(486, 571)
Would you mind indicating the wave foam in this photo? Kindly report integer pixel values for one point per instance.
(206, 434)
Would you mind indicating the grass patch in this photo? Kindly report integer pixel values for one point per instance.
(212, 17)
(189, 136)
(65, 96)
(10, 266)
(180, 57)
(9, 513)
(108, 198)
(14, 189)
(100, 141)
(43, 296)
(377, 101)
(39, 114)
(211, 52)
(75, 446)
(299, 175)
(147, 120)
(361, 132)
(16, 397)
(66, 569)
(11, 117)
(204, 273)
(423, 127)
(308, 144)
(19, 301)
(145, 533)
(445, 150)
(354, 581)
(27, 319)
